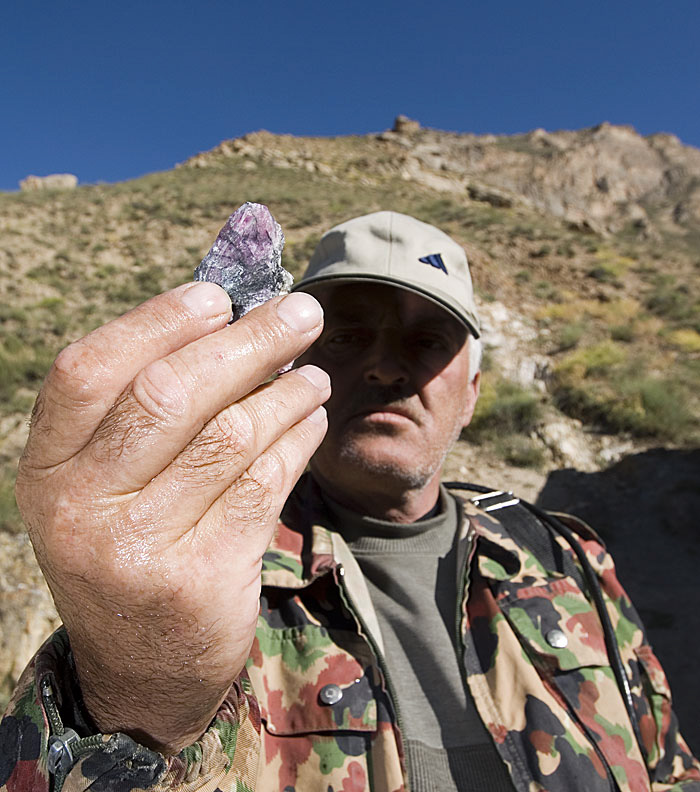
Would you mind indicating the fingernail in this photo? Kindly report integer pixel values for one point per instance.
(315, 376)
(300, 311)
(318, 415)
(206, 300)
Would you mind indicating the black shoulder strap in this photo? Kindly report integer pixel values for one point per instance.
(525, 528)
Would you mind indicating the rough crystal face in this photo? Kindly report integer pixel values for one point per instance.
(246, 259)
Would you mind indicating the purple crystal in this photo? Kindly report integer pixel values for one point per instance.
(246, 259)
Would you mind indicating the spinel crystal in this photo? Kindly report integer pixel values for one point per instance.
(246, 259)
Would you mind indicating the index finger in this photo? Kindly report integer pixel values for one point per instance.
(89, 375)
(172, 399)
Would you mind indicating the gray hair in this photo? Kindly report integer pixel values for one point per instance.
(475, 353)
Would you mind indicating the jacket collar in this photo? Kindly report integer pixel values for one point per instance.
(302, 548)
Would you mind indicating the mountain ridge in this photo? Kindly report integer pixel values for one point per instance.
(602, 177)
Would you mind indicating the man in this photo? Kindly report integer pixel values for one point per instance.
(402, 637)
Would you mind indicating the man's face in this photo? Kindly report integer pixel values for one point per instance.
(399, 368)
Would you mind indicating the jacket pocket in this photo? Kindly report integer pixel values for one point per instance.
(556, 624)
(309, 683)
(318, 710)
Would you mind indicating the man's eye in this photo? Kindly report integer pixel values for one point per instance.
(431, 342)
(341, 340)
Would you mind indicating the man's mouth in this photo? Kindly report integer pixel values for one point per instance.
(385, 412)
(383, 405)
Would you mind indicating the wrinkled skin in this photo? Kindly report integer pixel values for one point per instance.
(158, 462)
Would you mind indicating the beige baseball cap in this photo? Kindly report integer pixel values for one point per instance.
(397, 249)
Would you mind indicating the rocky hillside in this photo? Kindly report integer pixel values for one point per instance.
(584, 248)
(607, 179)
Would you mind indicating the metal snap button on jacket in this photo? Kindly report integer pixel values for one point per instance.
(556, 638)
(330, 694)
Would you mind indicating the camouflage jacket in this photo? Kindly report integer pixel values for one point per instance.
(313, 710)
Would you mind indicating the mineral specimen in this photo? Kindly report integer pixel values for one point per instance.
(246, 259)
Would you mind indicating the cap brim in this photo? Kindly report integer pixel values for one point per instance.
(469, 322)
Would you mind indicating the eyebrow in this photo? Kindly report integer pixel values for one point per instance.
(355, 316)
(347, 311)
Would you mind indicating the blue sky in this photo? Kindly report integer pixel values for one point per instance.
(113, 90)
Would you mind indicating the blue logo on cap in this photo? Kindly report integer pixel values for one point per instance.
(435, 260)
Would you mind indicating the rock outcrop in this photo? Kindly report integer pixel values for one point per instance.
(54, 181)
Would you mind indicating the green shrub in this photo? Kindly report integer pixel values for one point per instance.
(23, 365)
(12, 313)
(566, 249)
(527, 231)
(609, 268)
(591, 361)
(643, 406)
(520, 451)
(570, 334)
(544, 290)
(10, 520)
(674, 301)
(505, 415)
(623, 332)
(686, 339)
(504, 407)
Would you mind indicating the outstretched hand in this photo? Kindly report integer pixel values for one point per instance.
(159, 458)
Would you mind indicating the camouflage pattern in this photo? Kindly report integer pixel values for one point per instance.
(225, 758)
(556, 715)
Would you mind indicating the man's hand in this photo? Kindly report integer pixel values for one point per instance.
(159, 459)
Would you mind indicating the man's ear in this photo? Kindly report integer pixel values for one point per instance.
(470, 401)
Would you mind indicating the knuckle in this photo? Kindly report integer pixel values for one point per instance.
(235, 436)
(162, 390)
(265, 413)
(77, 372)
(210, 454)
(273, 469)
(261, 335)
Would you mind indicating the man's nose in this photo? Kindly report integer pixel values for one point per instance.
(385, 363)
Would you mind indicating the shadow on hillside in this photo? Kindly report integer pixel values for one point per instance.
(647, 509)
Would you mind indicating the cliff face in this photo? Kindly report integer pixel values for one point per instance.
(584, 251)
(607, 178)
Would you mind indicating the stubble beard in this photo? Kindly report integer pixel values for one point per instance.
(414, 472)
(381, 459)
